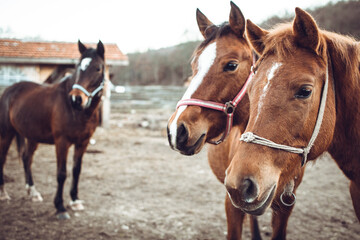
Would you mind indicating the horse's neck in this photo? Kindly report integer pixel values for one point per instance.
(242, 114)
(68, 82)
(345, 66)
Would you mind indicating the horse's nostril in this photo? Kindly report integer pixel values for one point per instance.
(182, 135)
(246, 191)
(78, 100)
(249, 190)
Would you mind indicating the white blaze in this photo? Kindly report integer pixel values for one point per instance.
(270, 76)
(272, 70)
(206, 60)
(85, 63)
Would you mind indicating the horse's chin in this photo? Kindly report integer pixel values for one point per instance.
(196, 148)
(257, 207)
(78, 107)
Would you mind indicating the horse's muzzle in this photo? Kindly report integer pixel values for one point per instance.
(78, 99)
(78, 102)
(247, 197)
(182, 141)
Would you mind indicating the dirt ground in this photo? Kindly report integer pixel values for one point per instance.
(135, 187)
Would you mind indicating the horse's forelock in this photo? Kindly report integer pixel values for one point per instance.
(220, 31)
(90, 53)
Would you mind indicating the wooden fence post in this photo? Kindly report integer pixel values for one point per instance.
(106, 105)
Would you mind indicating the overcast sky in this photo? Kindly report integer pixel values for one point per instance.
(135, 25)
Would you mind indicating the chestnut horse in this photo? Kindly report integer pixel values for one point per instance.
(221, 67)
(63, 114)
(303, 102)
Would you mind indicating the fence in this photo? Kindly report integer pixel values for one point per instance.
(147, 97)
(144, 97)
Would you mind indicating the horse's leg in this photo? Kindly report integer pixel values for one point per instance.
(5, 142)
(75, 203)
(62, 148)
(255, 230)
(235, 218)
(280, 217)
(27, 158)
(355, 196)
(279, 222)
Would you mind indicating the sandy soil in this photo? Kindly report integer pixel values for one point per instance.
(135, 187)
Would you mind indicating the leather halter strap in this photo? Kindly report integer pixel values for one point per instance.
(228, 108)
(90, 95)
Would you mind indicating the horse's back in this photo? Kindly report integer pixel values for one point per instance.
(7, 99)
(27, 108)
(21, 91)
(17, 91)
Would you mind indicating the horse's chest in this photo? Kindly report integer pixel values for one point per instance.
(81, 130)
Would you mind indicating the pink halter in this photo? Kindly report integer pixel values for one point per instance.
(228, 108)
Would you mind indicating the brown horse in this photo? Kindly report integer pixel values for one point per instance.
(63, 114)
(303, 102)
(221, 67)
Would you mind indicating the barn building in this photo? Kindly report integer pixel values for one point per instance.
(37, 61)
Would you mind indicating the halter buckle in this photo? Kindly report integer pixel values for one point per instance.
(229, 108)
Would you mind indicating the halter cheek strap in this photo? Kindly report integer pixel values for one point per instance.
(87, 93)
(228, 108)
(250, 137)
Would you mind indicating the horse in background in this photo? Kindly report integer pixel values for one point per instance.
(63, 114)
(303, 102)
(221, 66)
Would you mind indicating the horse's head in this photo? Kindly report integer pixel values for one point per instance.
(285, 103)
(89, 76)
(221, 65)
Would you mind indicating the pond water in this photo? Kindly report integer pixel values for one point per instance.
(144, 97)
(147, 97)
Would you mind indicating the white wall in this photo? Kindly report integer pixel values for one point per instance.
(11, 73)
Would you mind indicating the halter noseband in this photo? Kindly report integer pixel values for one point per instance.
(228, 108)
(87, 93)
(250, 137)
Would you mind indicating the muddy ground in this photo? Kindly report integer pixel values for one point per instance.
(135, 187)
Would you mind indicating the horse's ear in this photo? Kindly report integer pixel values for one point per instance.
(82, 47)
(256, 36)
(206, 27)
(237, 20)
(100, 49)
(305, 30)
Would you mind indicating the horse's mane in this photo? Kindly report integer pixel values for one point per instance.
(281, 41)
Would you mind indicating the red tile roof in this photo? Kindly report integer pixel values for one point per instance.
(13, 48)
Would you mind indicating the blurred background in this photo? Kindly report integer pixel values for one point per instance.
(148, 43)
(133, 184)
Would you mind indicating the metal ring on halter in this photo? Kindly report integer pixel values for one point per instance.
(288, 204)
(229, 108)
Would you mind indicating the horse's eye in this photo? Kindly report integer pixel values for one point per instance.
(304, 92)
(230, 66)
(98, 68)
